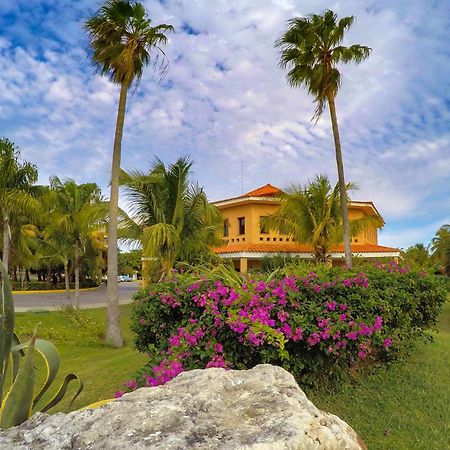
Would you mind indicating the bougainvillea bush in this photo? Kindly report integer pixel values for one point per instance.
(313, 325)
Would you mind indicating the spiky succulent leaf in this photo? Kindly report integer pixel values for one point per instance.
(6, 325)
(17, 406)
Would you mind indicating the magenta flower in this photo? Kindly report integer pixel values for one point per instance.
(387, 343)
(119, 394)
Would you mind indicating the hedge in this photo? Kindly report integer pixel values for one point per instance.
(315, 326)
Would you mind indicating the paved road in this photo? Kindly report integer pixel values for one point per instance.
(88, 299)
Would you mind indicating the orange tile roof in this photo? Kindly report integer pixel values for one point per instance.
(264, 191)
(291, 247)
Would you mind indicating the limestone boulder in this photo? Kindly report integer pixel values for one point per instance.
(259, 409)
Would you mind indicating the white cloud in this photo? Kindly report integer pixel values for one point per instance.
(224, 101)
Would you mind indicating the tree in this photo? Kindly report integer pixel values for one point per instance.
(172, 219)
(123, 42)
(311, 49)
(417, 256)
(16, 190)
(440, 246)
(312, 216)
(78, 211)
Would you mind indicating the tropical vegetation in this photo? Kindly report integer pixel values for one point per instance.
(21, 401)
(172, 220)
(311, 49)
(123, 42)
(440, 245)
(312, 215)
(319, 325)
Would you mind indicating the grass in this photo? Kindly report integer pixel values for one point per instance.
(102, 368)
(403, 406)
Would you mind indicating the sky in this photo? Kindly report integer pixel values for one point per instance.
(225, 102)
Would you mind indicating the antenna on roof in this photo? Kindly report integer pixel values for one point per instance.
(242, 177)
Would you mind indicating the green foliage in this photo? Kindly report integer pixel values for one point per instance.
(123, 41)
(440, 245)
(311, 50)
(418, 257)
(407, 303)
(312, 215)
(20, 402)
(271, 263)
(172, 219)
(130, 262)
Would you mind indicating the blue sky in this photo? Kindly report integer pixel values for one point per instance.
(224, 100)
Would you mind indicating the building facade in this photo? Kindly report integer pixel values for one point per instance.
(246, 241)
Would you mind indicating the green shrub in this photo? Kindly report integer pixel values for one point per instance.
(314, 325)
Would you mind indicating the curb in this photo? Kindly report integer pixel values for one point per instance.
(53, 308)
(53, 291)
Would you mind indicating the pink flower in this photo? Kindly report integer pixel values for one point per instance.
(119, 394)
(142, 321)
(218, 348)
(362, 354)
(387, 343)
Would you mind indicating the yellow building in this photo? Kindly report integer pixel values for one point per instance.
(246, 241)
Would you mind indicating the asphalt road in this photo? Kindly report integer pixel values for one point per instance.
(88, 299)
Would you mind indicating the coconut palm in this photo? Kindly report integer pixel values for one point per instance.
(440, 246)
(172, 219)
(123, 42)
(312, 216)
(310, 49)
(78, 211)
(16, 190)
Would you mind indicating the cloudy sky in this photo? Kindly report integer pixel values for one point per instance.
(226, 103)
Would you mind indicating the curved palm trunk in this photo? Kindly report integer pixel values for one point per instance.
(6, 241)
(342, 190)
(77, 274)
(113, 332)
(66, 278)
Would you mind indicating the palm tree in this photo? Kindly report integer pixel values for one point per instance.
(78, 210)
(417, 256)
(123, 42)
(16, 190)
(311, 49)
(312, 216)
(440, 245)
(172, 219)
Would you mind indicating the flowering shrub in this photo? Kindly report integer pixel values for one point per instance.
(311, 325)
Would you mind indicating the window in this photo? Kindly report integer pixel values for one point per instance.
(241, 225)
(225, 227)
(263, 229)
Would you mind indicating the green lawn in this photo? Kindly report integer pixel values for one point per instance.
(404, 406)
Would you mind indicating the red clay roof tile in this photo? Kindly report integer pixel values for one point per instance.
(272, 247)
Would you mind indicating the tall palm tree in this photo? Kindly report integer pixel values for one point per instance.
(78, 210)
(440, 245)
(172, 219)
(311, 215)
(123, 42)
(16, 190)
(310, 49)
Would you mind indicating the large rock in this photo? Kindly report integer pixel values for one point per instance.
(261, 409)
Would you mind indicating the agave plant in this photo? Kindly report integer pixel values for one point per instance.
(21, 402)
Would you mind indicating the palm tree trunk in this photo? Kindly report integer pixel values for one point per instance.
(6, 241)
(66, 278)
(77, 274)
(113, 332)
(342, 190)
